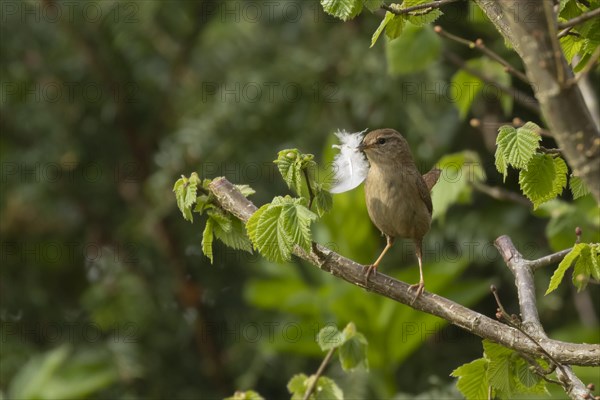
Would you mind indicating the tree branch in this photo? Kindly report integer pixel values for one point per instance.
(524, 24)
(230, 199)
(523, 273)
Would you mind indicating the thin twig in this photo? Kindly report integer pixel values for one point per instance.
(313, 384)
(548, 260)
(580, 19)
(478, 44)
(516, 122)
(499, 193)
(432, 5)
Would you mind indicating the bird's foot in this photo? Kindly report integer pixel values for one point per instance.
(371, 269)
(420, 287)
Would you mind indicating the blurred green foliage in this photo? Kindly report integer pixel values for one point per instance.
(104, 290)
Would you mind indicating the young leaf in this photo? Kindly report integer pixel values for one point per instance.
(323, 200)
(329, 337)
(186, 194)
(291, 163)
(353, 352)
(472, 379)
(276, 227)
(373, 5)
(297, 386)
(544, 178)
(500, 368)
(207, 239)
(236, 237)
(578, 187)
(518, 145)
(220, 219)
(586, 266)
(564, 265)
(388, 17)
(395, 26)
(342, 9)
(421, 17)
(247, 395)
(327, 389)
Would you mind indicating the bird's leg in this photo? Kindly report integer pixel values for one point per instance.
(421, 285)
(373, 267)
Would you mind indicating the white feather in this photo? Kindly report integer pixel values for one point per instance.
(350, 166)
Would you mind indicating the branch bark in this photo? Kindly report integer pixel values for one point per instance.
(230, 199)
(529, 26)
(522, 270)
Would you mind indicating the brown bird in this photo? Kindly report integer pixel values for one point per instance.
(397, 196)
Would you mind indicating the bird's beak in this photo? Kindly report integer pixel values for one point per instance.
(363, 146)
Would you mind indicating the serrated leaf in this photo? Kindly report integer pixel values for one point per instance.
(353, 352)
(472, 379)
(342, 9)
(564, 265)
(329, 337)
(220, 219)
(386, 19)
(578, 187)
(394, 28)
(595, 255)
(289, 164)
(236, 237)
(500, 367)
(526, 376)
(583, 268)
(571, 46)
(421, 17)
(275, 228)
(323, 201)
(207, 239)
(414, 51)
(544, 178)
(518, 145)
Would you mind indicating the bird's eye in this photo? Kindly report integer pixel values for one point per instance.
(381, 140)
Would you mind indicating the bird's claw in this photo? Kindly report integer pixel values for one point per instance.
(371, 269)
(420, 287)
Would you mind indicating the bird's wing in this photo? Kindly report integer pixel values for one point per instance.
(423, 189)
(432, 177)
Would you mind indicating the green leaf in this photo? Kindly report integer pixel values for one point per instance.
(571, 46)
(500, 368)
(327, 389)
(472, 379)
(564, 265)
(518, 145)
(413, 51)
(276, 227)
(329, 337)
(236, 238)
(323, 200)
(207, 239)
(186, 194)
(291, 163)
(342, 9)
(353, 352)
(395, 26)
(544, 178)
(388, 17)
(584, 268)
(220, 219)
(297, 386)
(500, 158)
(527, 381)
(578, 187)
(247, 395)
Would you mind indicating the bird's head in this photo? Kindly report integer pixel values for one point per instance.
(386, 146)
